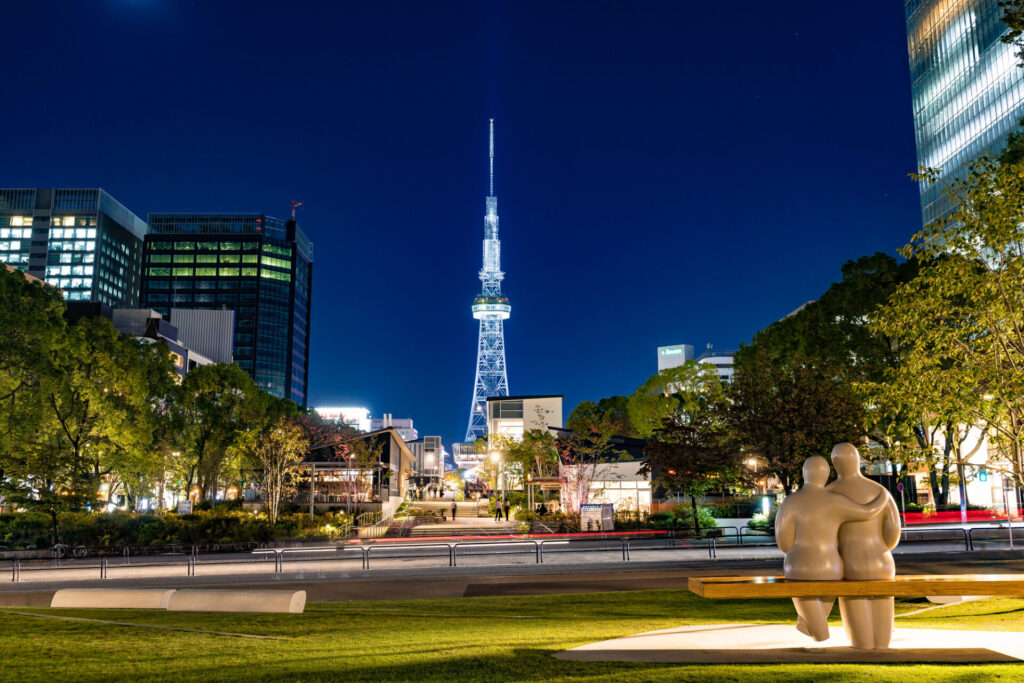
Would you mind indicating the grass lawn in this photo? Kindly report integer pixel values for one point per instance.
(487, 639)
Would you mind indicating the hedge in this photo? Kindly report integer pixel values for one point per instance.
(32, 530)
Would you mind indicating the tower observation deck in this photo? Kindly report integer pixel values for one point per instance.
(491, 308)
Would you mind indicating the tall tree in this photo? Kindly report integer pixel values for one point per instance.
(31, 328)
(787, 412)
(673, 394)
(960, 323)
(279, 450)
(216, 400)
(584, 450)
(694, 458)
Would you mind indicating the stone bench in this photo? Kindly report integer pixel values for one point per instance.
(287, 602)
(746, 587)
(112, 598)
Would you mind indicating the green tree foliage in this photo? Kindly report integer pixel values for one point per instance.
(785, 412)
(583, 450)
(31, 325)
(217, 402)
(695, 457)
(673, 394)
(279, 450)
(960, 323)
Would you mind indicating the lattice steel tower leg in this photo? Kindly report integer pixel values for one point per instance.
(491, 309)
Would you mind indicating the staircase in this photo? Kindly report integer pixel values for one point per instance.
(459, 530)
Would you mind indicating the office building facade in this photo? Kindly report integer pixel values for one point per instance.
(674, 356)
(428, 460)
(259, 267)
(968, 92)
(402, 425)
(82, 241)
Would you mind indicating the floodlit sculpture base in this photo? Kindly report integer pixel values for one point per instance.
(781, 644)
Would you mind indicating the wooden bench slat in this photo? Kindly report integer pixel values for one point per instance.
(901, 586)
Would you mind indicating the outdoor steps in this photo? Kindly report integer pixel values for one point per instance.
(432, 530)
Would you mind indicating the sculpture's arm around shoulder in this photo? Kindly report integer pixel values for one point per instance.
(855, 512)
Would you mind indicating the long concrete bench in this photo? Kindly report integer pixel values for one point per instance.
(288, 602)
(900, 586)
(112, 598)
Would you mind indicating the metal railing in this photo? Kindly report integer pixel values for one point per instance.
(1000, 531)
(453, 550)
(929, 536)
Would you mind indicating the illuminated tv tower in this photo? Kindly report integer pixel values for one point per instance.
(491, 309)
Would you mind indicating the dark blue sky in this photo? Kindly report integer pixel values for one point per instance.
(667, 172)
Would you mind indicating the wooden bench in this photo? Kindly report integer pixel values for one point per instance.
(900, 586)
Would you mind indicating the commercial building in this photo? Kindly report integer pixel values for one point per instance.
(144, 324)
(82, 241)
(336, 483)
(722, 360)
(255, 265)
(467, 456)
(354, 416)
(510, 416)
(210, 332)
(674, 356)
(968, 92)
(401, 425)
(428, 460)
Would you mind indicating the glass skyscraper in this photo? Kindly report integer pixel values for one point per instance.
(84, 242)
(258, 266)
(968, 91)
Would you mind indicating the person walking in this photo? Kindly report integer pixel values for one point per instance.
(455, 509)
(497, 510)
(507, 506)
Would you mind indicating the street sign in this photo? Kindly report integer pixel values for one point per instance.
(899, 487)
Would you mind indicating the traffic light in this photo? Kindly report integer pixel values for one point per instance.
(982, 474)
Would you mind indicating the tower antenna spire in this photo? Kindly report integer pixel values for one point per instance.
(492, 158)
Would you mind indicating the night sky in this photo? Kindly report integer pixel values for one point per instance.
(667, 172)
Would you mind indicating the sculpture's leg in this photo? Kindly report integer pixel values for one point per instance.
(812, 616)
(858, 622)
(882, 618)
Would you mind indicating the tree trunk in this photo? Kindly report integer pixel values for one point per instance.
(696, 518)
(53, 520)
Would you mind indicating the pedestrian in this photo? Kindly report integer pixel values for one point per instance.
(497, 509)
(454, 509)
(508, 506)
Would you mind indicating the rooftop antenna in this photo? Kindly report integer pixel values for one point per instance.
(295, 205)
(492, 158)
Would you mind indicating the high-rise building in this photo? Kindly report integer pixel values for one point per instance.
(81, 240)
(674, 356)
(491, 309)
(968, 92)
(259, 267)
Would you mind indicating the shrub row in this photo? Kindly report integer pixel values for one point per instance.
(33, 530)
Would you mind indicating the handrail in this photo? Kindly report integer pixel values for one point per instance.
(949, 531)
(970, 533)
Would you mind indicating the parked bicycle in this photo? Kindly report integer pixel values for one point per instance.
(62, 550)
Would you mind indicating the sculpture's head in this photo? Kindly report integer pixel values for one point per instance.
(816, 470)
(846, 459)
